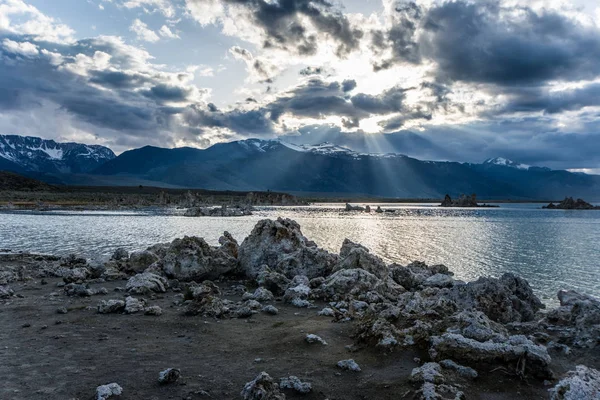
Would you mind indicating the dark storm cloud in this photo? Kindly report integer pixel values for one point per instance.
(553, 102)
(117, 79)
(164, 92)
(243, 122)
(282, 22)
(315, 99)
(485, 42)
(348, 85)
(389, 101)
(319, 99)
(400, 38)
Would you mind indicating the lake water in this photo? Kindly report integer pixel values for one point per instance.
(552, 249)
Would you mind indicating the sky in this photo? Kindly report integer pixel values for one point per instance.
(434, 79)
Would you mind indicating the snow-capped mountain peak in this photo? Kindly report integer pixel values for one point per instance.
(506, 163)
(27, 153)
(321, 148)
(331, 149)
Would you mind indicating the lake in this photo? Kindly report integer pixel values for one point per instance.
(552, 249)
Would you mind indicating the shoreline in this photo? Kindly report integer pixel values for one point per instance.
(399, 323)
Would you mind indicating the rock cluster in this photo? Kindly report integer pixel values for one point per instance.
(222, 211)
(463, 201)
(465, 328)
(569, 204)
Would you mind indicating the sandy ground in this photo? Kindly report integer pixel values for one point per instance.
(46, 355)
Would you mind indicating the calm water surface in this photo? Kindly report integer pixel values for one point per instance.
(553, 249)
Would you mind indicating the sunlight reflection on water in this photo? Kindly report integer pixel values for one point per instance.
(553, 249)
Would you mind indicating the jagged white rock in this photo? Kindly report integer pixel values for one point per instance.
(169, 375)
(133, 305)
(263, 387)
(428, 372)
(191, 258)
(465, 372)
(312, 339)
(146, 283)
(111, 306)
(294, 383)
(349, 365)
(153, 310)
(269, 309)
(581, 384)
(106, 391)
(281, 245)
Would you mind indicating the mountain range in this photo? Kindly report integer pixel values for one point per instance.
(36, 155)
(324, 169)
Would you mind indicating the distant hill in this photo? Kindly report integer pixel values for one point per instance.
(26, 154)
(255, 164)
(16, 182)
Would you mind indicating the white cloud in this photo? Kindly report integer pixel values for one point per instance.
(206, 12)
(164, 6)
(205, 71)
(143, 32)
(37, 24)
(167, 33)
(55, 58)
(24, 49)
(83, 63)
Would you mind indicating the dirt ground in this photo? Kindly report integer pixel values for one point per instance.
(46, 355)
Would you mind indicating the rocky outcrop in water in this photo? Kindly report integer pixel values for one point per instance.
(463, 201)
(222, 211)
(569, 204)
(350, 207)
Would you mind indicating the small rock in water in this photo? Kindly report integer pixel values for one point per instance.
(62, 310)
(312, 339)
(169, 375)
(270, 310)
(105, 391)
(349, 365)
(292, 382)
